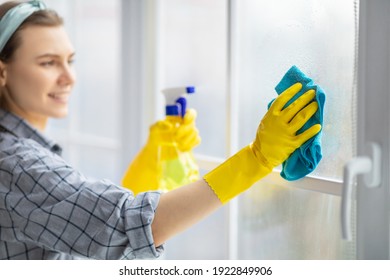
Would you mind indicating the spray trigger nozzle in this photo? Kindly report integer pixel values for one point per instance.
(176, 103)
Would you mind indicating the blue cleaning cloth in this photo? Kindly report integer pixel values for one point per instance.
(306, 158)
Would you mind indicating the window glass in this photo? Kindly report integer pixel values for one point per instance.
(99, 34)
(318, 37)
(278, 221)
(88, 155)
(193, 52)
(204, 241)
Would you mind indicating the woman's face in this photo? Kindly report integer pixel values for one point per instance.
(40, 76)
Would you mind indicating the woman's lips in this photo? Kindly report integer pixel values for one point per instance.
(60, 97)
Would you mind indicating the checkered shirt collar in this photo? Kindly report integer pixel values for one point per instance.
(21, 129)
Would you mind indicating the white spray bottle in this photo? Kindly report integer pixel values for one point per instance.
(178, 168)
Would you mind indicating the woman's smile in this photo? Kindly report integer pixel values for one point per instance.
(60, 97)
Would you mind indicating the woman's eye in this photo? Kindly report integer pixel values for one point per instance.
(48, 63)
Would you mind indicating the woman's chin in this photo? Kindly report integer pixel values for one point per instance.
(60, 114)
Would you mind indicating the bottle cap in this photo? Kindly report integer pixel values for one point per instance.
(172, 110)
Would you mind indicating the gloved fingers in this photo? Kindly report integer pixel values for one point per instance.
(284, 97)
(183, 130)
(161, 126)
(298, 105)
(307, 134)
(160, 132)
(189, 142)
(190, 116)
(303, 116)
(187, 135)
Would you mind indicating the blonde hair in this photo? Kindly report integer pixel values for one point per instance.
(45, 17)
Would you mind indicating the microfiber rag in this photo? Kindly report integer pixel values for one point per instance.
(306, 158)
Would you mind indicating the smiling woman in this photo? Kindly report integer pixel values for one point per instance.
(38, 60)
(48, 210)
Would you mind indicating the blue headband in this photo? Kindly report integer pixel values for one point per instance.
(11, 21)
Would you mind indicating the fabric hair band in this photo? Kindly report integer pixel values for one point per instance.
(11, 21)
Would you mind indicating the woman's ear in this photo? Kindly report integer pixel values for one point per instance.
(3, 74)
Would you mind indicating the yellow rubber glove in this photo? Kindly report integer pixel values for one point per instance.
(187, 135)
(144, 171)
(275, 141)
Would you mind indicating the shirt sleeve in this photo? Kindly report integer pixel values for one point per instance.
(54, 206)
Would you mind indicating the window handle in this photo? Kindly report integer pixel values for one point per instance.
(370, 166)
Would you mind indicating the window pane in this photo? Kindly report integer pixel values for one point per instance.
(204, 241)
(98, 36)
(281, 222)
(316, 36)
(193, 41)
(98, 163)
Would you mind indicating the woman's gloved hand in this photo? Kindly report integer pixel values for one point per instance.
(275, 141)
(174, 129)
(276, 137)
(187, 135)
(143, 172)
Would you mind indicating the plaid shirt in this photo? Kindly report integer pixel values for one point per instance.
(48, 210)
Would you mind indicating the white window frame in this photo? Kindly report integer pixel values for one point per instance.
(373, 125)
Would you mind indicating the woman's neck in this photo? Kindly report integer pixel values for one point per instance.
(37, 121)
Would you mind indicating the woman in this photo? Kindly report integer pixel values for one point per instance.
(48, 210)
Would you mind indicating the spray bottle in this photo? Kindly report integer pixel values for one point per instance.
(178, 168)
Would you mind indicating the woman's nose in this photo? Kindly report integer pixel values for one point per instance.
(67, 76)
